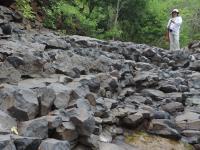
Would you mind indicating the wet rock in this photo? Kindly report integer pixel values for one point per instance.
(34, 128)
(52, 144)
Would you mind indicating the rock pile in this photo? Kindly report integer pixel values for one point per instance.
(80, 93)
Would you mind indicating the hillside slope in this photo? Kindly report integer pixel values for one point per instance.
(81, 93)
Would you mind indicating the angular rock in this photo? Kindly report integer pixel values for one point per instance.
(188, 121)
(133, 120)
(6, 143)
(66, 131)
(34, 128)
(195, 66)
(46, 97)
(173, 107)
(52, 144)
(57, 44)
(26, 143)
(9, 74)
(162, 128)
(154, 94)
(82, 117)
(113, 146)
(6, 123)
(62, 95)
(21, 103)
(53, 121)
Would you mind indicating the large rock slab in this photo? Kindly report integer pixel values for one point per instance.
(21, 103)
(82, 117)
(26, 143)
(156, 95)
(6, 123)
(6, 143)
(9, 74)
(188, 121)
(52, 144)
(164, 128)
(34, 128)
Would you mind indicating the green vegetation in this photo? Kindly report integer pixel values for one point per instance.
(141, 21)
(25, 7)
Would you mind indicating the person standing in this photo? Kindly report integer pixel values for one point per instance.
(173, 28)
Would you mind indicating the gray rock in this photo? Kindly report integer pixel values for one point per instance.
(57, 44)
(6, 143)
(9, 74)
(133, 120)
(6, 123)
(91, 141)
(53, 121)
(156, 95)
(34, 128)
(173, 107)
(26, 143)
(161, 115)
(66, 131)
(195, 66)
(119, 146)
(52, 144)
(21, 103)
(188, 121)
(82, 117)
(46, 97)
(62, 95)
(161, 127)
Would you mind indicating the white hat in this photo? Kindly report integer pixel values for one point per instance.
(175, 10)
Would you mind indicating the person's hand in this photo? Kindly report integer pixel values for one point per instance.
(172, 21)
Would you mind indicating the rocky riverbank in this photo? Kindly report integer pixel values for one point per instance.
(81, 93)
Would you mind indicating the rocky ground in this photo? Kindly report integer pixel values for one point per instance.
(80, 93)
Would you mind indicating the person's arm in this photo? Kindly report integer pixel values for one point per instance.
(168, 24)
(178, 21)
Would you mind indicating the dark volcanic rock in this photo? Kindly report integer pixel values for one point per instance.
(21, 103)
(52, 144)
(34, 128)
(26, 143)
(6, 143)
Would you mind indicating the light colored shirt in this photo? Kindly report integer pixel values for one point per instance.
(175, 26)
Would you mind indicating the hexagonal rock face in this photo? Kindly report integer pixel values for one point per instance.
(22, 104)
(52, 144)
